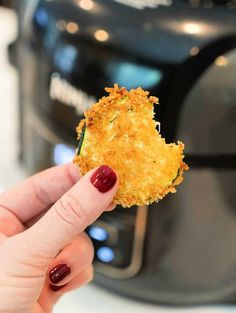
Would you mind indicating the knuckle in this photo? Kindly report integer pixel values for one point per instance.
(70, 209)
(41, 194)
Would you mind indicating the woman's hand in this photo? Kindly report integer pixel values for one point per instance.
(43, 250)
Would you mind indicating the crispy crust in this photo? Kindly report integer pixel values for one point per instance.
(121, 133)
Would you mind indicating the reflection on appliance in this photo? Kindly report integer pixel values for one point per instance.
(86, 4)
(101, 35)
(221, 61)
(41, 17)
(181, 250)
(192, 28)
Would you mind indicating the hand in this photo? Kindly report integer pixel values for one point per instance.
(44, 252)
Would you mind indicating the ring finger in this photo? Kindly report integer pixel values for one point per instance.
(72, 260)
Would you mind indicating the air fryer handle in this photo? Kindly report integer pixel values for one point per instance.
(12, 53)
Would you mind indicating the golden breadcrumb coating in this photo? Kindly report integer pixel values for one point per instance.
(120, 132)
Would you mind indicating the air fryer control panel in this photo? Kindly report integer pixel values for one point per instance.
(118, 238)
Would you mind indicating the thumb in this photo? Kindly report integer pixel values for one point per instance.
(72, 213)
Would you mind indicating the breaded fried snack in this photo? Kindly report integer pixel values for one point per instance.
(119, 131)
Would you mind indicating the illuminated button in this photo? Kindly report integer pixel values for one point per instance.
(98, 233)
(105, 254)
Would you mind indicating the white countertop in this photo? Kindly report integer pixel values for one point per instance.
(89, 299)
(93, 299)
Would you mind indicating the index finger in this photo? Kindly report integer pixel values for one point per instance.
(39, 192)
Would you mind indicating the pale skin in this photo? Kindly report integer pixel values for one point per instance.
(42, 224)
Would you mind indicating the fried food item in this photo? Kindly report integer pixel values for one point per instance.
(119, 131)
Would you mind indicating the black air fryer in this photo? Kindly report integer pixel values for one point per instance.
(181, 250)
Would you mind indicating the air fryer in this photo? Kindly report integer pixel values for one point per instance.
(182, 249)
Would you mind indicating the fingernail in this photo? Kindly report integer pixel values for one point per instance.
(104, 178)
(59, 272)
(55, 288)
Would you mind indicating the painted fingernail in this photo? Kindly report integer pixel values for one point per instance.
(59, 272)
(104, 178)
(55, 288)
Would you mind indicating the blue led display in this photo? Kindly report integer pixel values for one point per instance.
(105, 254)
(133, 75)
(63, 154)
(98, 233)
(65, 58)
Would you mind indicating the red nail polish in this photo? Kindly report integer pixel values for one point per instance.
(59, 272)
(55, 288)
(104, 178)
